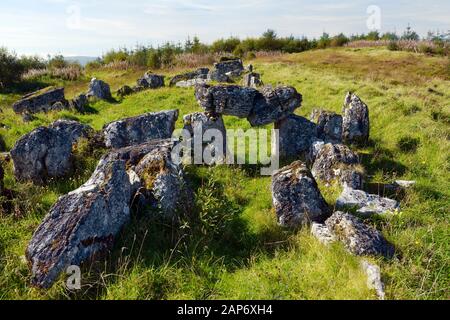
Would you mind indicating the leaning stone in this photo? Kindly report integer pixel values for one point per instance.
(364, 203)
(199, 74)
(40, 101)
(358, 238)
(322, 233)
(125, 91)
(356, 124)
(274, 104)
(99, 89)
(329, 125)
(337, 162)
(296, 196)
(252, 80)
(137, 130)
(151, 81)
(296, 135)
(374, 281)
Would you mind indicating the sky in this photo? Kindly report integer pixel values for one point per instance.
(91, 27)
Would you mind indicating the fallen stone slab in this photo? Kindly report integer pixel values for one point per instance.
(366, 204)
(44, 100)
(336, 162)
(151, 81)
(137, 130)
(296, 196)
(199, 74)
(356, 123)
(46, 152)
(374, 281)
(99, 89)
(252, 80)
(358, 238)
(329, 125)
(296, 135)
(274, 104)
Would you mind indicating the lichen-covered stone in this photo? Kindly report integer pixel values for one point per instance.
(41, 101)
(191, 83)
(356, 123)
(99, 89)
(321, 232)
(137, 130)
(151, 81)
(296, 196)
(364, 203)
(199, 74)
(374, 281)
(296, 135)
(71, 129)
(233, 67)
(329, 125)
(252, 80)
(336, 162)
(358, 238)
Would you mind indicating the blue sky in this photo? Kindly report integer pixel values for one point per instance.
(90, 27)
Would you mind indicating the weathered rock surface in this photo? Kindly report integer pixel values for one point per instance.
(321, 232)
(296, 196)
(41, 101)
(338, 162)
(151, 81)
(374, 281)
(232, 67)
(217, 76)
(252, 80)
(274, 104)
(80, 103)
(364, 203)
(47, 151)
(125, 91)
(137, 130)
(314, 150)
(358, 238)
(296, 135)
(329, 125)
(199, 74)
(356, 123)
(191, 83)
(99, 89)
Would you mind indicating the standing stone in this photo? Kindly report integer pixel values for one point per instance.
(329, 125)
(296, 134)
(358, 238)
(151, 81)
(137, 130)
(41, 101)
(364, 203)
(296, 196)
(252, 80)
(356, 124)
(99, 89)
(274, 104)
(338, 162)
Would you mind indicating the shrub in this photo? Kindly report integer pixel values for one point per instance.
(10, 68)
(57, 62)
(393, 46)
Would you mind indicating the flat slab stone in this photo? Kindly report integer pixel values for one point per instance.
(366, 204)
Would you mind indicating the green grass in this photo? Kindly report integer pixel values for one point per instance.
(232, 247)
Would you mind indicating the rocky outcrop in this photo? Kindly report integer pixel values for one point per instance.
(336, 162)
(151, 81)
(44, 100)
(252, 80)
(137, 130)
(296, 135)
(364, 203)
(47, 151)
(296, 196)
(99, 89)
(189, 77)
(357, 237)
(356, 124)
(329, 125)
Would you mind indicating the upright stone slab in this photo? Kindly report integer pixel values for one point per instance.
(296, 196)
(44, 100)
(99, 89)
(356, 124)
(137, 130)
(365, 204)
(296, 134)
(329, 125)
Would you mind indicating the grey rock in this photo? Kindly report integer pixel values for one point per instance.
(296, 135)
(80, 103)
(125, 91)
(137, 130)
(99, 89)
(314, 150)
(358, 238)
(364, 203)
(231, 66)
(321, 232)
(404, 184)
(191, 83)
(199, 74)
(41, 101)
(337, 162)
(151, 81)
(296, 196)
(374, 281)
(274, 104)
(252, 80)
(217, 76)
(329, 125)
(356, 123)
(73, 130)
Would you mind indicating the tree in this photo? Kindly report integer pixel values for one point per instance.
(410, 34)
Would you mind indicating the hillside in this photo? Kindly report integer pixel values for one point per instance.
(235, 249)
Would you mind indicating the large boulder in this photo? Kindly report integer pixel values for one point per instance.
(365, 204)
(151, 81)
(356, 124)
(44, 100)
(230, 67)
(358, 238)
(296, 196)
(296, 135)
(99, 89)
(274, 104)
(137, 130)
(329, 125)
(199, 74)
(336, 162)
(46, 152)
